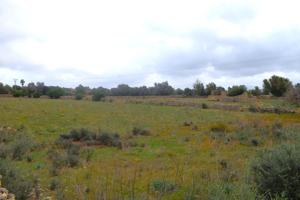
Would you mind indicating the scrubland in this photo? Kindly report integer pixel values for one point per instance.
(141, 147)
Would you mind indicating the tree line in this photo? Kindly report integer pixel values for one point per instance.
(275, 85)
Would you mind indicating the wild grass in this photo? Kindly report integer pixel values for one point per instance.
(165, 157)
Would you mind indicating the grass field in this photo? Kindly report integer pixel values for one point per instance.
(206, 159)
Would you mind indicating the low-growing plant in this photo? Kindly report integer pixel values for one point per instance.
(163, 186)
(219, 127)
(277, 172)
(54, 184)
(91, 138)
(140, 131)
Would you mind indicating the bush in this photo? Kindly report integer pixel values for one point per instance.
(277, 172)
(55, 92)
(236, 90)
(140, 131)
(98, 95)
(54, 184)
(204, 106)
(220, 127)
(36, 95)
(163, 186)
(15, 181)
(18, 93)
(91, 138)
(276, 85)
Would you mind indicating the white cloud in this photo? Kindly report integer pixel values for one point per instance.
(82, 39)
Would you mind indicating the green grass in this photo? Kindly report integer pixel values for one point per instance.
(173, 152)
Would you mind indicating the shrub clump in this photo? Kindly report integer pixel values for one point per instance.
(92, 138)
(163, 186)
(140, 131)
(277, 172)
(220, 127)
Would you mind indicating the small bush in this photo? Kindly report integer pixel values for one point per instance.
(55, 92)
(187, 123)
(91, 138)
(98, 95)
(54, 184)
(277, 172)
(220, 127)
(204, 106)
(163, 186)
(140, 131)
(236, 90)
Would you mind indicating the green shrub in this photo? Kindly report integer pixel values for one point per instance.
(98, 95)
(91, 138)
(15, 180)
(219, 127)
(163, 186)
(277, 172)
(236, 90)
(54, 184)
(20, 147)
(140, 131)
(55, 92)
(204, 106)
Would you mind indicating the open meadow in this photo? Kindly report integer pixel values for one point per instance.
(139, 147)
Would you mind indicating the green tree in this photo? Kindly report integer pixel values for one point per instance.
(276, 85)
(256, 91)
(79, 92)
(188, 92)
(199, 88)
(98, 94)
(22, 82)
(236, 90)
(210, 88)
(55, 92)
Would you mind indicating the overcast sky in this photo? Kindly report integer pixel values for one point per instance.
(139, 42)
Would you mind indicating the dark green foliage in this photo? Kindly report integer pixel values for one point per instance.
(188, 92)
(179, 91)
(80, 92)
(4, 89)
(162, 89)
(163, 186)
(219, 127)
(55, 92)
(92, 138)
(210, 88)
(199, 88)
(36, 95)
(15, 181)
(276, 85)
(54, 184)
(20, 147)
(98, 95)
(236, 90)
(256, 91)
(140, 131)
(204, 106)
(18, 93)
(277, 172)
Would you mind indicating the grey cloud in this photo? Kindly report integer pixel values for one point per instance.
(278, 51)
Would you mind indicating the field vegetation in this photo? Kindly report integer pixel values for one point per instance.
(149, 143)
(147, 148)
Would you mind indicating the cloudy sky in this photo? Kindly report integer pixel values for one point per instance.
(138, 42)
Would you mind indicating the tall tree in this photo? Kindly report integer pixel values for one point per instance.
(199, 88)
(210, 88)
(277, 85)
(22, 82)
